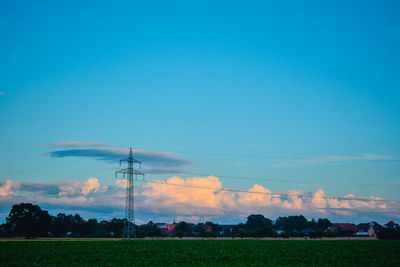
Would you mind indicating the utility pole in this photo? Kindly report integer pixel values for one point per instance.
(130, 174)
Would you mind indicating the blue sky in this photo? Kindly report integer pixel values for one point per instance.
(275, 93)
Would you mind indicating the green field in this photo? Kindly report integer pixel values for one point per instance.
(201, 252)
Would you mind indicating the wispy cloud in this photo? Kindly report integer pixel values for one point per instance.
(328, 159)
(195, 197)
(2, 93)
(78, 144)
(151, 159)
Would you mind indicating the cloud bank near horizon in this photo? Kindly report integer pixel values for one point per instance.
(194, 199)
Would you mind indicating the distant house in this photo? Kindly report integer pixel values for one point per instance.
(339, 227)
(368, 229)
(391, 225)
(166, 228)
(171, 227)
(365, 229)
(227, 228)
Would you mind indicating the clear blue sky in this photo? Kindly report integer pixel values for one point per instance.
(270, 82)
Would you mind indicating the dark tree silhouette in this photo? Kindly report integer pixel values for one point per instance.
(62, 224)
(28, 220)
(182, 229)
(291, 224)
(257, 221)
(323, 223)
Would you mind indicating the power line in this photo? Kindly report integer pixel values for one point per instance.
(282, 157)
(247, 178)
(277, 194)
(351, 184)
(44, 167)
(304, 181)
(85, 173)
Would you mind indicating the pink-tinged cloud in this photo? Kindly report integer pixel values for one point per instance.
(195, 197)
(7, 186)
(86, 187)
(183, 195)
(207, 196)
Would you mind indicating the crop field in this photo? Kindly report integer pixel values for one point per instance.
(200, 252)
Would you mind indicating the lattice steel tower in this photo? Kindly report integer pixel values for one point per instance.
(130, 174)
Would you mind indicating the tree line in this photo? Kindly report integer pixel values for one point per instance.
(28, 220)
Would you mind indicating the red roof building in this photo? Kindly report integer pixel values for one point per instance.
(391, 225)
(344, 227)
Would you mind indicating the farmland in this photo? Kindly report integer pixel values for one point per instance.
(200, 252)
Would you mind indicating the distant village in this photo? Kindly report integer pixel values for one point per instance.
(370, 229)
(28, 220)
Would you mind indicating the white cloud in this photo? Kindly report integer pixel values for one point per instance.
(176, 194)
(7, 186)
(318, 199)
(195, 197)
(92, 184)
(77, 187)
(121, 183)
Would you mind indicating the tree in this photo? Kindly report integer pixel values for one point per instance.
(200, 229)
(182, 229)
(78, 228)
(266, 231)
(291, 224)
(215, 228)
(116, 227)
(147, 230)
(244, 233)
(323, 223)
(104, 228)
(92, 227)
(389, 234)
(312, 224)
(257, 221)
(29, 220)
(61, 224)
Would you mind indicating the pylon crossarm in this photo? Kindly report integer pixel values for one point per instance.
(136, 172)
(123, 171)
(130, 160)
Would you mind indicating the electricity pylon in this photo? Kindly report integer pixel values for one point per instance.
(130, 174)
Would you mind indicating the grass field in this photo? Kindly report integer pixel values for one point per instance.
(201, 252)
